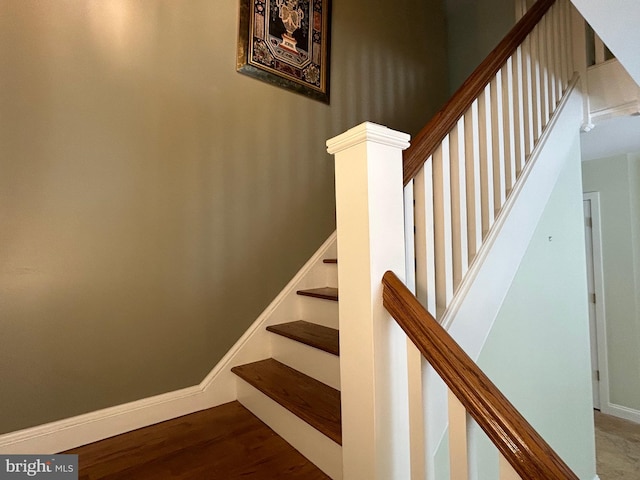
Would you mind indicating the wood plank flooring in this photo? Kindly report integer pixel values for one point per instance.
(617, 448)
(222, 443)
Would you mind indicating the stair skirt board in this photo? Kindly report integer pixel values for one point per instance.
(315, 363)
(218, 387)
(315, 446)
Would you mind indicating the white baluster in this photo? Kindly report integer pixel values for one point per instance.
(544, 73)
(458, 451)
(551, 62)
(414, 357)
(459, 203)
(557, 41)
(528, 86)
(442, 217)
(417, 406)
(577, 56)
(498, 113)
(537, 87)
(486, 160)
(409, 237)
(577, 60)
(425, 250)
(519, 111)
(472, 161)
(509, 124)
(565, 43)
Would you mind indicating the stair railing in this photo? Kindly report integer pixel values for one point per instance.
(462, 165)
(458, 173)
(528, 454)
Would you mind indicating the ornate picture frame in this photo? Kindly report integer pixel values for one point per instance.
(286, 43)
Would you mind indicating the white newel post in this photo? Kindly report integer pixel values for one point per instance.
(373, 357)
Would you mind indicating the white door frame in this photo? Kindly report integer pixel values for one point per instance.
(598, 279)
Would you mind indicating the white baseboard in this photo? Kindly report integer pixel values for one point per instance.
(216, 388)
(71, 432)
(621, 411)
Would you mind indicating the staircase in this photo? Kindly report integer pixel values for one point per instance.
(297, 390)
(452, 214)
(488, 156)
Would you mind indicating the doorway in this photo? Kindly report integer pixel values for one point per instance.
(597, 330)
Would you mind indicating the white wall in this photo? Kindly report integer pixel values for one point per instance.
(617, 179)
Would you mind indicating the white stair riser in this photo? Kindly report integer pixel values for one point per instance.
(315, 363)
(315, 446)
(331, 274)
(317, 310)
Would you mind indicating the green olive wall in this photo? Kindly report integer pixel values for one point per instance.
(474, 28)
(152, 200)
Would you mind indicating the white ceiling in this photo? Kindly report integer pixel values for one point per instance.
(612, 137)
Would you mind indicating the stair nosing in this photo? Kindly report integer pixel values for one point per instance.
(325, 293)
(280, 329)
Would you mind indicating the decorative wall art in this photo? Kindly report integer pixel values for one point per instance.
(286, 43)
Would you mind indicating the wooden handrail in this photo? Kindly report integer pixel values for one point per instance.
(427, 140)
(526, 451)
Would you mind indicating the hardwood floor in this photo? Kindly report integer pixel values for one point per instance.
(222, 443)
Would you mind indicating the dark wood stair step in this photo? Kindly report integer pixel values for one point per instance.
(327, 293)
(317, 336)
(330, 260)
(311, 400)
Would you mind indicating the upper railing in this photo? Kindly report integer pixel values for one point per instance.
(525, 450)
(462, 167)
(433, 133)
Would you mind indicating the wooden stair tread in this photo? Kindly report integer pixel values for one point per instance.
(317, 336)
(311, 400)
(327, 293)
(330, 260)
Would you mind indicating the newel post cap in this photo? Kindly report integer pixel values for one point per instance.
(368, 132)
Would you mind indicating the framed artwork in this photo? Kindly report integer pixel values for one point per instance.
(286, 43)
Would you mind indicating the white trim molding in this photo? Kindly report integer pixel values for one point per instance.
(621, 411)
(600, 309)
(218, 387)
(71, 432)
